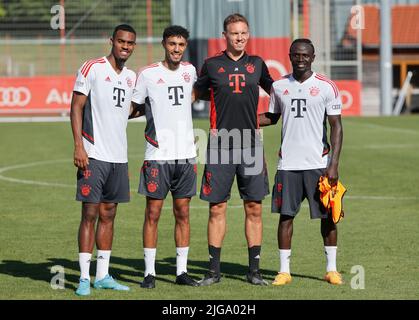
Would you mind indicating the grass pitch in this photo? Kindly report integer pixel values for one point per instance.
(377, 238)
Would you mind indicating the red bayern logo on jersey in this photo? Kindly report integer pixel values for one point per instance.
(314, 91)
(129, 82)
(186, 77)
(250, 67)
(85, 190)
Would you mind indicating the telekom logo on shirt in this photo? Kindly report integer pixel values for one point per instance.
(237, 83)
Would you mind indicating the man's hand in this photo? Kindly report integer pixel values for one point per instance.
(81, 159)
(332, 175)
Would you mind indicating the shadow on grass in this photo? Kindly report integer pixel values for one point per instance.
(164, 268)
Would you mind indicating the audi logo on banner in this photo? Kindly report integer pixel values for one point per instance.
(14, 96)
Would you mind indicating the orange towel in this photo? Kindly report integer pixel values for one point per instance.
(331, 198)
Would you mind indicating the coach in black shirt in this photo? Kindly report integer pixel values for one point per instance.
(232, 79)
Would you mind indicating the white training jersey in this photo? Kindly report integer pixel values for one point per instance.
(167, 95)
(304, 108)
(105, 115)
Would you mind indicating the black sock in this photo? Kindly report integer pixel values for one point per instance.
(214, 262)
(254, 257)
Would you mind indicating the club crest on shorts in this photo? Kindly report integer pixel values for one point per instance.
(278, 202)
(152, 186)
(208, 176)
(87, 173)
(85, 190)
(144, 166)
(206, 189)
(154, 172)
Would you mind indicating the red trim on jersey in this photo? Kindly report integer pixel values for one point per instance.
(215, 55)
(88, 63)
(91, 63)
(185, 63)
(151, 141)
(87, 136)
(143, 68)
(153, 65)
(213, 111)
(323, 78)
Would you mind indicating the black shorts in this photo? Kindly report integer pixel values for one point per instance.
(248, 166)
(178, 176)
(292, 187)
(103, 182)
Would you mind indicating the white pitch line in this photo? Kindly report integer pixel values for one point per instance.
(234, 194)
(381, 147)
(378, 126)
(31, 182)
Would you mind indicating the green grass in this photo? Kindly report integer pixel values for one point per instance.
(39, 223)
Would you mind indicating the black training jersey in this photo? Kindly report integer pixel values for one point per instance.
(234, 90)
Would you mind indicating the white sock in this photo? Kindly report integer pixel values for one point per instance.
(330, 258)
(102, 264)
(284, 258)
(84, 262)
(149, 261)
(181, 260)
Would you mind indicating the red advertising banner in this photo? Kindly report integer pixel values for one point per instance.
(36, 95)
(350, 91)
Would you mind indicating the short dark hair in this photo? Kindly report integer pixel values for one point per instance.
(123, 27)
(303, 40)
(235, 17)
(174, 30)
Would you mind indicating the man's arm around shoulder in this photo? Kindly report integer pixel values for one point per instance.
(268, 118)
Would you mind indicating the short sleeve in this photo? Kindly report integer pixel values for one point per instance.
(274, 102)
(265, 78)
(140, 90)
(84, 81)
(195, 76)
(333, 101)
(202, 83)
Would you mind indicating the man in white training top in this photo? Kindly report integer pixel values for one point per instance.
(99, 114)
(163, 93)
(305, 100)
